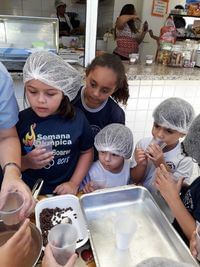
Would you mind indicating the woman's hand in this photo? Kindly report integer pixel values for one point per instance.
(66, 188)
(16, 184)
(145, 27)
(49, 260)
(38, 158)
(15, 251)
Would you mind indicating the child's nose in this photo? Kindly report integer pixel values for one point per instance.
(41, 98)
(107, 157)
(160, 134)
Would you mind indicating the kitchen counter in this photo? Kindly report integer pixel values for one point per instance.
(143, 72)
(160, 72)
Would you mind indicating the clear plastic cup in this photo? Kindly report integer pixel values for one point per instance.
(62, 239)
(159, 142)
(124, 232)
(149, 59)
(133, 58)
(46, 143)
(198, 240)
(10, 208)
(99, 183)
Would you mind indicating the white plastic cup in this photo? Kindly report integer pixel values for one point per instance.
(62, 239)
(198, 240)
(133, 58)
(124, 232)
(149, 59)
(46, 143)
(10, 208)
(99, 183)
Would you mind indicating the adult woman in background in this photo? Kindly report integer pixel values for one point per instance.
(127, 35)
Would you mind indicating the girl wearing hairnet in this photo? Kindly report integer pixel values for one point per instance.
(50, 85)
(106, 86)
(185, 205)
(172, 119)
(114, 144)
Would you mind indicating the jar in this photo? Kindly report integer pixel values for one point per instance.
(163, 55)
(176, 57)
(133, 58)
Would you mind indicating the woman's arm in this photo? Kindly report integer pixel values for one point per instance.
(170, 189)
(140, 38)
(82, 168)
(11, 152)
(123, 19)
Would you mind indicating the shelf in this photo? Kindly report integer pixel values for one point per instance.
(180, 15)
(179, 38)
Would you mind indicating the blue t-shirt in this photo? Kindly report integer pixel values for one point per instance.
(8, 103)
(109, 112)
(70, 137)
(191, 200)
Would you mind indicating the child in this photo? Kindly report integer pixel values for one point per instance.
(172, 118)
(50, 85)
(185, 207)
(105, 77)
(114, 144)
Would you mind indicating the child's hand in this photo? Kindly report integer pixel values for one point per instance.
(17, 247)
(66, 188)
(140, 157)
(166, 184)
(88, 188)
(154, 152)
(38, 158)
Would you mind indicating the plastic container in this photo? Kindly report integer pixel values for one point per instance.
(176, 57)
(163, 54)
(133, 58)
(74, 213)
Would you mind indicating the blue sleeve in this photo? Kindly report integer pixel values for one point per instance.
(8, 103)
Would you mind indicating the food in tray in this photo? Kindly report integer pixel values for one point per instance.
(51, 217)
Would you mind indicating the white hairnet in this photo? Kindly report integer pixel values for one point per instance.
(59, 3)
(192, 140)
(115, 138)
(175, 114)
(162, 262)
(52, 70)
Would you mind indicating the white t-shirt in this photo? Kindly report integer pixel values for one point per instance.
(180, 165)
(112, 179)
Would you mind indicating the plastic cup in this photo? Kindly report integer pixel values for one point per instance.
(133, 58)
(46, 143)
(124, 232)
(99, 183)
(159, 142)
(149, 59)
(10, 208)
(198, 240)
(62, 239)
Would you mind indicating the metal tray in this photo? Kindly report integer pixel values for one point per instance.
(155, 237)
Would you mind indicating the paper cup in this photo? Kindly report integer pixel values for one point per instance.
(62, 239)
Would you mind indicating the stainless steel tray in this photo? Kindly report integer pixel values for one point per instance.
(155, 237)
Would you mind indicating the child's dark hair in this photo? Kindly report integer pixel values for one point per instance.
(66, 108)
(114, 63)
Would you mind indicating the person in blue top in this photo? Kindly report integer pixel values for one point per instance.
(50, 85)
(10, 159)
(106, 86)
(185, 206)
